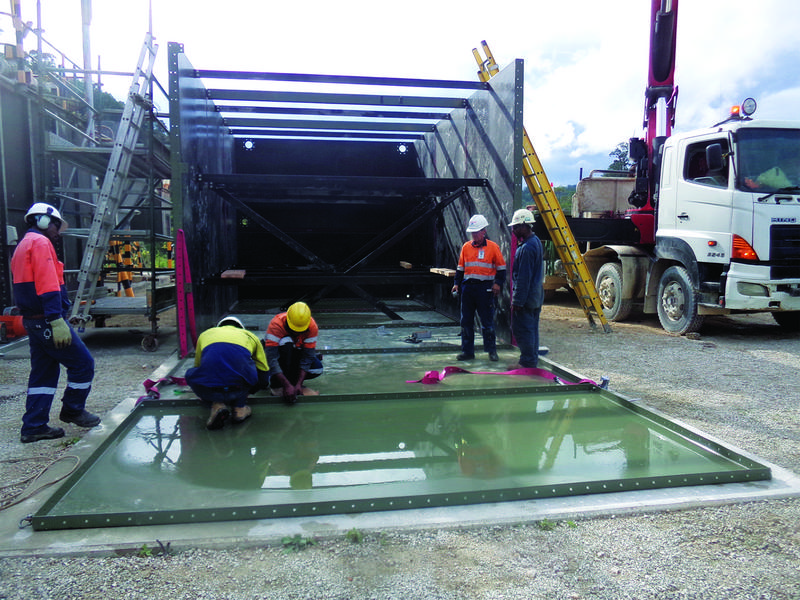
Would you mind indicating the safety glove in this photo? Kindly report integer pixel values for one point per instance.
(62, 334)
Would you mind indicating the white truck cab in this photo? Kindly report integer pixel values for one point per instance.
(727, 235)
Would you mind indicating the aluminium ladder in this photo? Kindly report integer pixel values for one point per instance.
(551, 213)
(115, 182)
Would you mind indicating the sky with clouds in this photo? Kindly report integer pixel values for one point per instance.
(585, 60)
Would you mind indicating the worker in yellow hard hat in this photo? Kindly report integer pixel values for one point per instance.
(291, 342)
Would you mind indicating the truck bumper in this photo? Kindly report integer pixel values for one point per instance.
(748, 287)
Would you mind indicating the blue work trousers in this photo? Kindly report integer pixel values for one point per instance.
(477, 297)
(525, 327)
(289, 359)
(46, 361)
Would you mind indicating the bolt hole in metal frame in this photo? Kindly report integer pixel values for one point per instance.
(374, 452)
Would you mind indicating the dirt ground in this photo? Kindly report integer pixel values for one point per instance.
(738, 381)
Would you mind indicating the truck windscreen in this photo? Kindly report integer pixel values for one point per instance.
(768, 159)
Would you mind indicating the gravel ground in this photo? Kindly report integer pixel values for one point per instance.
(738, 381)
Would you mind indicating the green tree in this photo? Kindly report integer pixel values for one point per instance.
(621, 160)
(105, 101)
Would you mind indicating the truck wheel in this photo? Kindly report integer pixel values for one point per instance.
(609, 289)
(789, 320)
(677, 302)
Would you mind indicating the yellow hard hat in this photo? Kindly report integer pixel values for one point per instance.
(298, 316)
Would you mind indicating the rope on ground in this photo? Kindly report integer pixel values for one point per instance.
(14, 499)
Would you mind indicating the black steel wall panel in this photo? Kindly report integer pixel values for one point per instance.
(297, 231)
(16, 176)
(200, 143)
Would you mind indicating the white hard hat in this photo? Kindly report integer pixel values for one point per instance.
(477, 223)
(522, 217)
(44, 213)
(232, 321)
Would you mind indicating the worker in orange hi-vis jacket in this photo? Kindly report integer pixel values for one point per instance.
(480, 276)
(41, 296)
(291, 342)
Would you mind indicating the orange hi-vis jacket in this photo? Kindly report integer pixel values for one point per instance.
(482, 263)
(38, 275)
(278, 334)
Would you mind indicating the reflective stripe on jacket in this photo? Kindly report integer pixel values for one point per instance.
(484, 262)
(278, 333)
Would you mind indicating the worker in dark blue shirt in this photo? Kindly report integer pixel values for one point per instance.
(527, 293)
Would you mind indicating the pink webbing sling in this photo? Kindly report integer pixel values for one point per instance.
(437, 376)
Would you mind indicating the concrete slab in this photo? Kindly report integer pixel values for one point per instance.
(17, 538)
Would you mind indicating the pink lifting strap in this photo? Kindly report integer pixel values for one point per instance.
(436, 376)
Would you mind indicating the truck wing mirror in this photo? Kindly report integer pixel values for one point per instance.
(637, 149)
(714, 157)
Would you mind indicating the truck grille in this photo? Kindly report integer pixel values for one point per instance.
(784, 251)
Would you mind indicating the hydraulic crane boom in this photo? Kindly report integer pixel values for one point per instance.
(661, 96)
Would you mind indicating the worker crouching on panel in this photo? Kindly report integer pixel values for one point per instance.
(229, 365)
(41, 296)
(291, 342)
(480, 276)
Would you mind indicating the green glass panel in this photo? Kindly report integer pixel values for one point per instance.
(317, 456)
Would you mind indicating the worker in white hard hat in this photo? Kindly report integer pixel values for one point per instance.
(229, 365)
(527, 288)
(291, 342)
(41, 296)
(480, 276)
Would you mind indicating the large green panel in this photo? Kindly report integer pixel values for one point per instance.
(376, 439)
(382, 452)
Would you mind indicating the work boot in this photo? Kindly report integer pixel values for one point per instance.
(241, 414)
(219, 412)
(493, 356)
(465, 356)
(81, 419)
(50, 433)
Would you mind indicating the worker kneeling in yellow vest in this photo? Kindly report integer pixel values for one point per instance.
(229, 365)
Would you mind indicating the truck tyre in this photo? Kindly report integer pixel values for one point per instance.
(678, 302)
(790, 320)
(609, 289)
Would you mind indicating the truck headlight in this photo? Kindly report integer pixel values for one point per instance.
(752, 289)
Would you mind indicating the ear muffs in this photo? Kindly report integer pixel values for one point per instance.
(43, 221)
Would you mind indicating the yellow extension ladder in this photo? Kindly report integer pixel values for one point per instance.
(551, 213)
